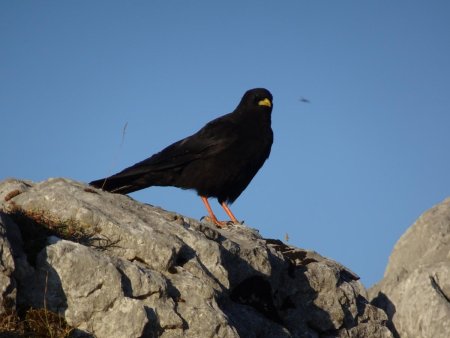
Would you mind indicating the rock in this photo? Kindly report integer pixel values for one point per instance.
(114, 267)
(8, 289)
(415, 290)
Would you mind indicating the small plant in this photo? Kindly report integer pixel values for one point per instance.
(44, 323)
(37, 225)
(10, 324)
(36, 323)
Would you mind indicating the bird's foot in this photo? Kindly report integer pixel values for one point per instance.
(216, 222)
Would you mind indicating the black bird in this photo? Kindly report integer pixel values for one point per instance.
(218, 161)
(302, 99)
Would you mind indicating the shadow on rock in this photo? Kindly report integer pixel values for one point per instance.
(280, 304)
(383, 302)
(38, 283)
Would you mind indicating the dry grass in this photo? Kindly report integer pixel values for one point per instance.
(38, 323)
(39, 224)
(69, 229)
(35, 227)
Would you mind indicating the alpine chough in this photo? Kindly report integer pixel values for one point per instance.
(218, 161)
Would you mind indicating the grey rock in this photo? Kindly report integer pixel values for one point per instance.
(8, 289)
(415, 290)
(114, 267)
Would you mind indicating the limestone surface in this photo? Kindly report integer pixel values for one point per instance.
(115, 267)
(415, 290)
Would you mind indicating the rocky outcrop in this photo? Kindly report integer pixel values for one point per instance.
(114, 267)
(415, 290)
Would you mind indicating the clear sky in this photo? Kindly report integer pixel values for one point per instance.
(349, 172)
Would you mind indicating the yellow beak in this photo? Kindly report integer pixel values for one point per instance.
(265, 102)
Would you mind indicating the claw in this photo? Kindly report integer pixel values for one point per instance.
(213, 219)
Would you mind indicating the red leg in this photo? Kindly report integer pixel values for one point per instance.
(211, 213)
(229, 213)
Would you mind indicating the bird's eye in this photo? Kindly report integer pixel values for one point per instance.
(258, 98)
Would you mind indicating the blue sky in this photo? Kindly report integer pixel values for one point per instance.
(348, 173)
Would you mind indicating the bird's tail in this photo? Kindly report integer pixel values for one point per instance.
(117, 185)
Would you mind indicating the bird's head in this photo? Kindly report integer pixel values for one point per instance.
(257, 99)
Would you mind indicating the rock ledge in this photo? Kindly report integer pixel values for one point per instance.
(114, 267)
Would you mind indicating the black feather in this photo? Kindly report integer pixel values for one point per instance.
(218, 161)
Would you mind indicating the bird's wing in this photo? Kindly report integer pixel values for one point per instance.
(213, 138)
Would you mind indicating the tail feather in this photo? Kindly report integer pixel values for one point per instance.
(116, 185)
